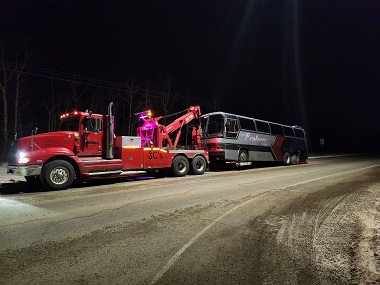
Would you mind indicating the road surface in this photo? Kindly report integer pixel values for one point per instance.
(317, 223)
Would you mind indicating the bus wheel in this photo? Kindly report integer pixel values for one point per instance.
(294, 159)
(58, 175)
(180, 166)
(243, 156)
(287, 159)
(198, 165)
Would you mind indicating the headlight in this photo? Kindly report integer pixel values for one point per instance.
(22, 158)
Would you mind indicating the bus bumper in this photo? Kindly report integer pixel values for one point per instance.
(216, 156)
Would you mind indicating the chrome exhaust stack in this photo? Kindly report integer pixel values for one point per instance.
(110, 133)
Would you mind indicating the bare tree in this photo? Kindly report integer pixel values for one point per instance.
(187, 99)
(4, 81)
(72, 98)
(133, 104)
(167, 101)
(52, 106)
(215, 101)
(19, 69)
(147, 94)
(96, 102)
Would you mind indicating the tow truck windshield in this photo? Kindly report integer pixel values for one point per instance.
(70, 124)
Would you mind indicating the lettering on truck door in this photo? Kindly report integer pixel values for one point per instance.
(91, 137)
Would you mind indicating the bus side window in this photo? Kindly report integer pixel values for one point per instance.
(289, 132)
(276, 129)
(231, 128)
(299, 133)
(262, 127)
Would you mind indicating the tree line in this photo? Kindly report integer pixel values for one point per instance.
(32, 97)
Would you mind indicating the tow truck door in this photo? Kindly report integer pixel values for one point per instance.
(91, 137)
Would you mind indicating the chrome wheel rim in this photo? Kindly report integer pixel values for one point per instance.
(59, 175)
(181, 166)
(199, 165)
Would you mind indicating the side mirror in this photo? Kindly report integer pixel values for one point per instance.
(34, 131)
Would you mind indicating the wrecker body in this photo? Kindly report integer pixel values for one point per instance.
(87, 148)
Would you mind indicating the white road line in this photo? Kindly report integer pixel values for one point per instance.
(176, 256)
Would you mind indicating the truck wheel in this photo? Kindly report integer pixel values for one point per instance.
(58, 175)
(180, 166)
(198, 165)
(287, 160)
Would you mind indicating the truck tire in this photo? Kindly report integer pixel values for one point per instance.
(198, 165)
(180, 166)
(287, 159)
(58, 175)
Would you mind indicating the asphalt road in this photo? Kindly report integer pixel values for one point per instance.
(307, 224)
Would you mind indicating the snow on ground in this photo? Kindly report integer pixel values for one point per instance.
(7, 178)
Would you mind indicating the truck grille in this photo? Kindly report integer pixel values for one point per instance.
(12, 152)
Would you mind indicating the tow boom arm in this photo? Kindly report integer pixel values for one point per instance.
(153, 134)
(192, 113)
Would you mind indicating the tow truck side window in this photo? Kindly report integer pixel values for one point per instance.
(92, 124)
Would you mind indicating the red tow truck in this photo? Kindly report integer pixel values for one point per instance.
(86, 148)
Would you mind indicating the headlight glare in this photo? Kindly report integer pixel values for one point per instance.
(22, 158)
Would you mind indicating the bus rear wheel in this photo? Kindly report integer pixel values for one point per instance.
(294, 159)
(287, 159)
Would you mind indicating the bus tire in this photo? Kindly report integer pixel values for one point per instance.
(180, 166)
(58, 175)
(294, 159)
(243, 156)
(287, 159)
(198, 165)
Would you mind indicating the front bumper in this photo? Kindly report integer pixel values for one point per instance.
(28, 170)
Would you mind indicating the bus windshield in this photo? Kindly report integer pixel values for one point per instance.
(70, 124)
(215, 127)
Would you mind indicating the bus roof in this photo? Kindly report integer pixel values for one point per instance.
(245, 117)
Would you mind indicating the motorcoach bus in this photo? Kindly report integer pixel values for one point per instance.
(235, 138)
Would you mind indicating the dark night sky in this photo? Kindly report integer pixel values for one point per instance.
(245, 52)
